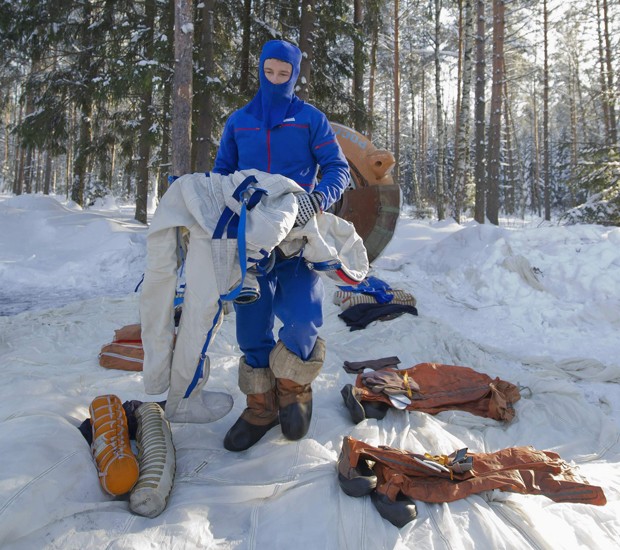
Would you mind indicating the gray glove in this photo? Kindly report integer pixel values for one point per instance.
(308, 204)
(390, 382)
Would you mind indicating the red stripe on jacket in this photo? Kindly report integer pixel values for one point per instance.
(324, 143)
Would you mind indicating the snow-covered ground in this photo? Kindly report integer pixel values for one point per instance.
(535, 304)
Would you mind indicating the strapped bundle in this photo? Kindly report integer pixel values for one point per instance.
(117, 465)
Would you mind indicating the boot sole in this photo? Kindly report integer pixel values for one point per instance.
(357, 486)
(399, 512)
(256, 432)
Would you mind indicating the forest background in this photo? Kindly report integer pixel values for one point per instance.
(490, 106)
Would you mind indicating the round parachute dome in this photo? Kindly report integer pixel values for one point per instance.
(372, 201)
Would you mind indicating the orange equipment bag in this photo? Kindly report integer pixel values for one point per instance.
(125, 352)
(117, 465)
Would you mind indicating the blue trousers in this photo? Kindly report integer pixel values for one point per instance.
(292, 293)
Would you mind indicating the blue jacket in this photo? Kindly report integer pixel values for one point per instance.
(295, 149)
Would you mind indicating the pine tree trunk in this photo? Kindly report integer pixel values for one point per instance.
(511, 182)
(5, 162)
(246, 30)
(441, 136)
(459, 87)
(146, 116)
(536, 202)
(372, 73)
(28, 162)
(85, 107)
(359, 116)
(495, 123)
(479, 115)
(18, 182)
(47, 174)
(613, 130)
(28, 148)
(37, 171)
(572, 101)
(546, 152)
(396, 92)
(72, 124)
(167, 25)
(80, 163)
(602, 77)
(415, 183)
(203, 99)
(306, 45)
(182, 87)
(463, 135)
(581, 110)
(423, 137)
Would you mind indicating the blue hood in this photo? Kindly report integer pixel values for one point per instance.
(275, 102)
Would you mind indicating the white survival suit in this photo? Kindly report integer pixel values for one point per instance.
(232, 221)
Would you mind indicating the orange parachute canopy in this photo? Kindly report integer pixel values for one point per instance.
(372, 201)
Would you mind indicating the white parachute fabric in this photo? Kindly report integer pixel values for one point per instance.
(50, 496)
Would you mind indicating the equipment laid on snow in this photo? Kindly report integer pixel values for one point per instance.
(432, 388)
(371, 290)
(346, 299)
(372, 203)
(125, 352)
(156, 457)
(359, 316)
(392, 476)
(116, 463)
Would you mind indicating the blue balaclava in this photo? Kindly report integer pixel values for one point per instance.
(275, 102)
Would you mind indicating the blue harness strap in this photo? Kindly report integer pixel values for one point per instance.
(234, 225)
(199, 372)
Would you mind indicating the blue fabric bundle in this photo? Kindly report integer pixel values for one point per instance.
(372, 286)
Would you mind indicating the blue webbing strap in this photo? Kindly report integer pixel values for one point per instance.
(372, 286)
(179, 292)
(235, 228)
(203, 354)
(139, 283)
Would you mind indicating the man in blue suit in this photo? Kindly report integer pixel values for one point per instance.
(278, 133)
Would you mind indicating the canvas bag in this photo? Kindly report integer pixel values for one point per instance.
(125, 352)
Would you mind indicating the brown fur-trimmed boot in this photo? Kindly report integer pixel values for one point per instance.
(261, 413)
(293, 379)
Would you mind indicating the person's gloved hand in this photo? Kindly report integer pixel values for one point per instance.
(308, 204)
